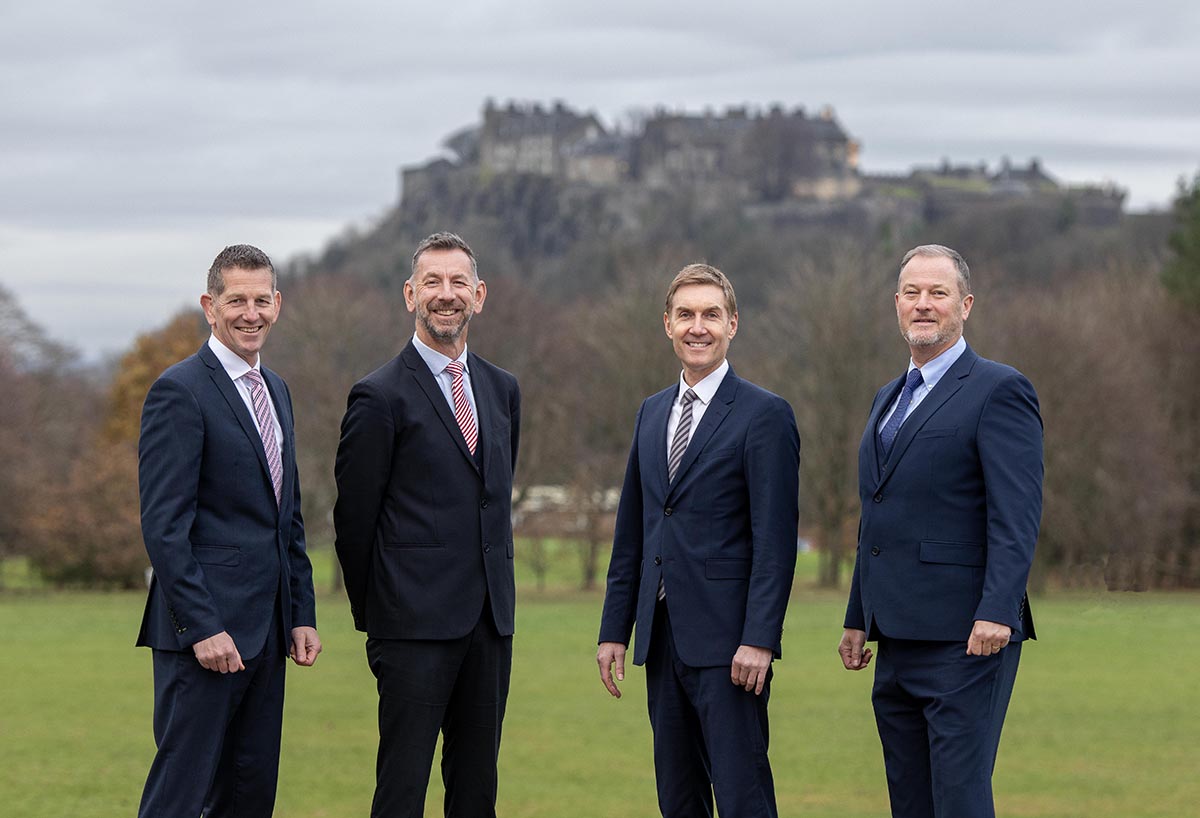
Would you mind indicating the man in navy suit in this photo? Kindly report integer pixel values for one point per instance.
(231, 595)
(424, 535)
(950, 476)
(703, 556)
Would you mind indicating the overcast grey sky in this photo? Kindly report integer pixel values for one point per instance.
(137, 139)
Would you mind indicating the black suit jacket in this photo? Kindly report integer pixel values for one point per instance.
(223, 551)
(424, 528)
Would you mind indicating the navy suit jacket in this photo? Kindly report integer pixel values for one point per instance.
(222, 550)
(722, 534)
(949, 521)
(424, 528)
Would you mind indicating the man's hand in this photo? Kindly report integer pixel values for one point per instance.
(987, 638)
(854, 655)
(750, 667)
(305, 645)
(608, 655)
(218, 653)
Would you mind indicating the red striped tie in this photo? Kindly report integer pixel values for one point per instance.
(462, 408)
(266, 428)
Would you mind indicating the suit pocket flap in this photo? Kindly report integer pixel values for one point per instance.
(945, 431)
(717, 454)
(952, 553)
(397, 545)
(217, 554)
(726, 568)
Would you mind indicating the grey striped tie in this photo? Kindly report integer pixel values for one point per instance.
(683, 433)
(679, 444)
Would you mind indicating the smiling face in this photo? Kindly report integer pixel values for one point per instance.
(700, 327)
(444, 293)
(930, 306)
(241, 315)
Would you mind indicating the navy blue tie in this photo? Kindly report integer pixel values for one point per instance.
(887, 435)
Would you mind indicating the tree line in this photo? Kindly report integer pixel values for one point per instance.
(1105, 322)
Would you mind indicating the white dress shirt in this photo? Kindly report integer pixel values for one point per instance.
(437, 362)
(705, 391)
(235, 366)
(931, 372)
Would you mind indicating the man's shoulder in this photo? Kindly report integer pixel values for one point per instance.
(667, 394)
(483, 366)
(755, 395)
(188, 371)
(387, 374)
(993, 372)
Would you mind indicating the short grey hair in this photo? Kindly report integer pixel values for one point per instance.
(444, 240)
(942, 251)
(238, 257)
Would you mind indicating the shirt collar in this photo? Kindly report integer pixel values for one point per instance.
(435, 360)
(706, 390)
(933, 370)
(235, 365)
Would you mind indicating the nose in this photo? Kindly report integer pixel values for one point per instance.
(445, 290)
(696, 326)
(924, 301)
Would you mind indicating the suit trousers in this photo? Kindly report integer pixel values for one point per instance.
(217, 735)
(710, 736)
(458, 687)
(939, 714)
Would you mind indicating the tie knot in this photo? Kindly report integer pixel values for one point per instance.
(455, 368)
(253, 377)
(687, 398)
(914, 379)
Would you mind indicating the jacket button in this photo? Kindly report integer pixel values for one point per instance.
(874, 550)
(667, 511)
(483, 503)
(658, 560)
(487, 547)
(878, 498)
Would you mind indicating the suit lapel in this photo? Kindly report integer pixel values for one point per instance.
(949, 384)
(424, 378)
(230, 392)
(871, 438)
(714, 415)
(658, 412)
(485, 403)
(286, 427)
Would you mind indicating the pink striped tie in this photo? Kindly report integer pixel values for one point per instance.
(266, 428)
(462, 408)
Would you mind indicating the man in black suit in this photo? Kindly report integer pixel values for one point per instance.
(424, 535)
(232, 591)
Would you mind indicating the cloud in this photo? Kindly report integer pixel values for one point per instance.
(173, 128)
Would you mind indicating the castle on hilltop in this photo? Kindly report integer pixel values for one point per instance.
(784, 165)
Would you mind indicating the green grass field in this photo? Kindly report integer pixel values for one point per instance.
(1104, 721)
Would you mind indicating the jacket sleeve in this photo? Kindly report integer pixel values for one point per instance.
(514, 413)
(1010, 453)
(773, 482)
(170, 449)
(625, 565)
(304, 608)
(362, 469)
